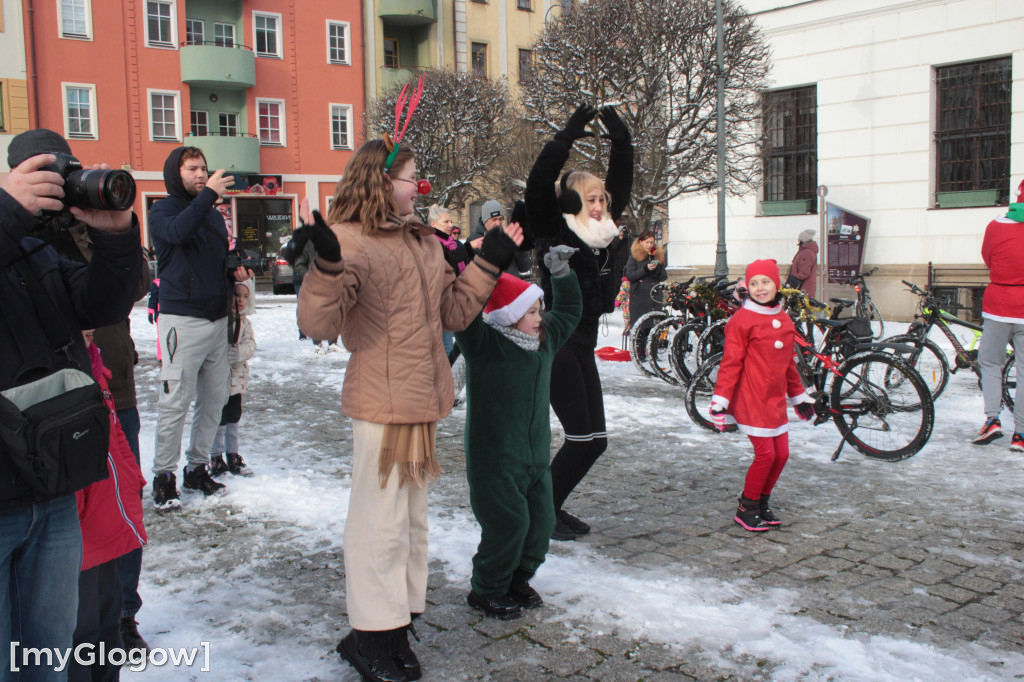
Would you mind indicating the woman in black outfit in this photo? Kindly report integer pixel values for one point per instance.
(580, 212)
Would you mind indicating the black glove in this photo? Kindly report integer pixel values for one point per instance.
(498, 249)
(618, 133)
(805, 411)
(324, 241)
(576, 127)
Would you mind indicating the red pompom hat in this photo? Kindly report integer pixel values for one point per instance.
(510, 300)
(767, 267)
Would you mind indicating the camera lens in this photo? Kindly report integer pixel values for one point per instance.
(105, 189)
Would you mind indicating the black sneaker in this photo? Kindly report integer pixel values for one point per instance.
(165, 492)
(131, 637)
(218, 467)
(370, 654)
(574, 524)
(198, 478)
(991, 430)
(503, 607)
(562, 532)
(523, 594)
(236, 465)
(767, 514)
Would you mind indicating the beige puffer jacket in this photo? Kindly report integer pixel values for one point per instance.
(390, 300)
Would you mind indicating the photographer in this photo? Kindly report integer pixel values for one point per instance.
(644, 269)
(40, 539)
(196, 290)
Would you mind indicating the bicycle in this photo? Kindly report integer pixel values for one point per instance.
(865, 308)
(642, 327)
(710, 306)
(930, 361)
(852, 384)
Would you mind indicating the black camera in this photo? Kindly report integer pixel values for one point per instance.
(104, 189)
(232, 262)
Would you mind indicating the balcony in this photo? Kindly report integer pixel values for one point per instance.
(390, 78)
(407, 12)
(212, 65)
(234, 153)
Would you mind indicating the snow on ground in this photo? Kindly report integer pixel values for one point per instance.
(302, 492)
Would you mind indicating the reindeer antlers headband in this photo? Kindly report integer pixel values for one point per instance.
(404, 97)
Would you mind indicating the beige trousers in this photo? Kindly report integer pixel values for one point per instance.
(385, 540)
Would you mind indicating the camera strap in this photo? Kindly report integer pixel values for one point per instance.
(56, 332)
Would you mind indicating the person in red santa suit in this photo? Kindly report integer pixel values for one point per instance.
(756, 376)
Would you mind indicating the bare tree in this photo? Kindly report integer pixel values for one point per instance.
(655, 61)
(462, 125)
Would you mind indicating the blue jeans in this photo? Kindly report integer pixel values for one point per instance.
(130, 565)
(449, 342)
(40, 559)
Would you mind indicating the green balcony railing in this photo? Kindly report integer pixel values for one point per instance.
(211, 65)
(235, 153)
(407, 12)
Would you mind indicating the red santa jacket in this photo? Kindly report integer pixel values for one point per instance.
(758, 370)
(110, 511)
(1003, 252)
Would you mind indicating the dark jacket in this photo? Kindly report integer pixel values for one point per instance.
(522, 265)
(303, 261)
(642, 279)
(458, 254)
(86, 297)
(115, 341)
(191, 243)
(805, 267)
(599, 270)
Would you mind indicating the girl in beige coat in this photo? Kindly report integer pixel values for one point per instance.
(380, 280)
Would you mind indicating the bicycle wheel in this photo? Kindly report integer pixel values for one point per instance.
(869, 312)
(1009, 381)
(882, 422)
(712, 341)
(659, 343)
(929, 362)
(699, 392)
(638, 339)
(682, 353)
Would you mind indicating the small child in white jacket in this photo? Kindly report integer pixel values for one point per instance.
(239, 353)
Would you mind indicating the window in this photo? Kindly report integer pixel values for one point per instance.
(266, 29)
(163, 115)
(200, 124)
(791, 144)
(271, 117)
(74, 18)
(159, 26)
(972, 130)
(195, 33)
(228, 124)
(479, 59)
(341, 126)
(392, 57)
(80, 111)
(524, 4)
(337, 42)
(224, 35)
(525, 65)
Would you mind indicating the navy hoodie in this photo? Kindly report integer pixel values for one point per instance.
(191, 244)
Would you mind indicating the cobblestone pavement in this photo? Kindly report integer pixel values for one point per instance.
(918, 551)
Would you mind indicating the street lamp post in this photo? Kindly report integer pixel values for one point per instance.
(721, 261)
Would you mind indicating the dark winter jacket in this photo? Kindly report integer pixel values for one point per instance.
(191, 243)
(599, 270)
(115, 341)
(805, 267)
(508, 429)
(642, 279)
(456, 253)
(302, 262)
(521, 266)
(85, 296)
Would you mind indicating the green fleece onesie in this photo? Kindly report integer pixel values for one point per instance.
(508, 441)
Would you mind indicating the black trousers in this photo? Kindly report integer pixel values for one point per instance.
(579, 404)
(99, 620)
(232, 411)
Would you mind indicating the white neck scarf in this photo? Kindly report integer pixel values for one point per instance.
(521, 339)
(596, 234)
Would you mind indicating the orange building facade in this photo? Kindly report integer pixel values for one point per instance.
(272, 91)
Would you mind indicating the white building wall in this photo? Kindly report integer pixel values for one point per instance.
(873, 63)
(12, 58)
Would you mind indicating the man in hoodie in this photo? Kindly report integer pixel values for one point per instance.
(492, 215)
(803, 272)
(196, 289)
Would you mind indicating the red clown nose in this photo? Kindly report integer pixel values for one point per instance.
(423, 186)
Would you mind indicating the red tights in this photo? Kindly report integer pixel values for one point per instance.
(770, 455)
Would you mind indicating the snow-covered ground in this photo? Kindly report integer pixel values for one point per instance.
(224, 593)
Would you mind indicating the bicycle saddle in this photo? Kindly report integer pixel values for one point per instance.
(845, 302)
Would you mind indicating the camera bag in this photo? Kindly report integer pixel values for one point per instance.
(55, 430)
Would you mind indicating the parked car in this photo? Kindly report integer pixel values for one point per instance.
(283, 280)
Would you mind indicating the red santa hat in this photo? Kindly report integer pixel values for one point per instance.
(510, 300)
(767, 267)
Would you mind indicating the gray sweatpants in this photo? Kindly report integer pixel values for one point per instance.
(194, 367)
(992, 358)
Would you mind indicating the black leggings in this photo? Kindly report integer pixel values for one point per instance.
(577, 400)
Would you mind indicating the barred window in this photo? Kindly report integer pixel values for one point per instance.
(972, 130)
(791, 144)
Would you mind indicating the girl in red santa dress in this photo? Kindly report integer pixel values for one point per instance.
(756, 376)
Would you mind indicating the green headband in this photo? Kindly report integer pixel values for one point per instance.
(391, 158)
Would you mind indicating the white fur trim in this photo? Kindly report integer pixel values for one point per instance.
(762, 432)
(596, 234)
(1000, 318)
(514, 311)
(802, 398)
(719, 400)
(760, 309)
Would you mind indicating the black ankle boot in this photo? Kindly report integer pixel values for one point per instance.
(130, 635)
(405, 657)
(767, 514)
(748, 515)
(521, 592)
(503, 607)
(372, 654)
